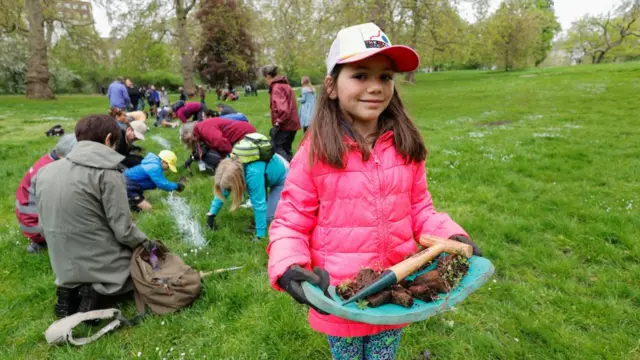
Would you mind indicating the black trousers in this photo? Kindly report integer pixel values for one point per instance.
(282, 141)
(132, 160)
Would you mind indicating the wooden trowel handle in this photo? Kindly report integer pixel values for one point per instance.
(415, 262)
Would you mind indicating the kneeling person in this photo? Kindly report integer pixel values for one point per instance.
(26, 210)
(135, 131)
(248, 169)
(85, 217)
(150, 175)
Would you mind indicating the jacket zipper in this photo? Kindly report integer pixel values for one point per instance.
(380, 211)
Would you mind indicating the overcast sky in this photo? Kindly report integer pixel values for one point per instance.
(567, 11)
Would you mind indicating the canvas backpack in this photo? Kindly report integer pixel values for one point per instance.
(253, 147)
(172, 286)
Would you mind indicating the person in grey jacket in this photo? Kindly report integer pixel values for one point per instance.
(85, 217)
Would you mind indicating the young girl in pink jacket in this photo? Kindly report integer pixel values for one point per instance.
(356, 195)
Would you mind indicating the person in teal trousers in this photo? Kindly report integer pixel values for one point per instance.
(235, 178)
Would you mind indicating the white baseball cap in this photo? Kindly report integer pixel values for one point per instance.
(139, 128)
(359, 42)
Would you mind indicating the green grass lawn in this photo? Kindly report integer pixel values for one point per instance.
(541, 167)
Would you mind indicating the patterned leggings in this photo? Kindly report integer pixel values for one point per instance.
(382, 346)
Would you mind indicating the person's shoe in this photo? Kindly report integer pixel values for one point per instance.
(67, 302)
(35, 248)
(247, 204)
(89, 298)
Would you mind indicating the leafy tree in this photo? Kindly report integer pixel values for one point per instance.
(516, 32)
(597, 36)
(227, 51)
(550, 28)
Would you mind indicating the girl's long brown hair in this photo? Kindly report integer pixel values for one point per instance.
(230, 175)
(328, 130)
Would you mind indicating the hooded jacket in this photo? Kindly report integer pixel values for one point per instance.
(284, 112)
(85, 217)
(26, 210)
(368, 214)
(221, 134)
(149, 174)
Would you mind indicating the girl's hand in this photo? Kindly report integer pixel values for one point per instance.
(291, 282)
(465, 240)
(211, 221)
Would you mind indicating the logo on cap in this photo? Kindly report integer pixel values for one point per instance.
(377, 41)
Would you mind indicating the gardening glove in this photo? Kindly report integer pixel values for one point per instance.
(292, 279)
(465, 240)
(274, 130)
(187, 163)
(148, 245)
(180, 187)
(211, 222)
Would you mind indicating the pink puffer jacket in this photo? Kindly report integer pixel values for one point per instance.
(369, 214)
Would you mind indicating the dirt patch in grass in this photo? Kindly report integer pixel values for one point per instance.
(494, 123)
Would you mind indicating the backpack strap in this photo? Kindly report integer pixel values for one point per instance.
(61, 331)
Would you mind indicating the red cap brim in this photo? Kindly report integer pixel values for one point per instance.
(404, 57)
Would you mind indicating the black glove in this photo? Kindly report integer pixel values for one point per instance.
(465, 240)
(291, 281)
(187, 163)
(148, 245)
(211, 222)
(274, 130)
(180, 187)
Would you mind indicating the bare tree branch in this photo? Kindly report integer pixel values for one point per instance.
(189, 7)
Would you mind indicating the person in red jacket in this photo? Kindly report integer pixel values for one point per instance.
(26, 211)
(212, 139)
(191, 110)
(284, 111)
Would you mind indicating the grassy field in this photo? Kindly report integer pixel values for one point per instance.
(541, 167)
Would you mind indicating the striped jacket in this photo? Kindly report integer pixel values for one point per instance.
(26, 211)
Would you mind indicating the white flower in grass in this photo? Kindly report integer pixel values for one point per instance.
(533, 117)
(516, 339)
(476, 134)
(547, 135)
(139, 353)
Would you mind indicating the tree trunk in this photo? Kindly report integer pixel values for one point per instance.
(379, 14)
(410, 77)
(49, 34)
(186, 52)
(600, 57)
(38, 66)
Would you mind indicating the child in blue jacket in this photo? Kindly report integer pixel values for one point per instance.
(234, 177)
(150, 175)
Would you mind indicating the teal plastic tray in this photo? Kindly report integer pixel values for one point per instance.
(480, 270)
